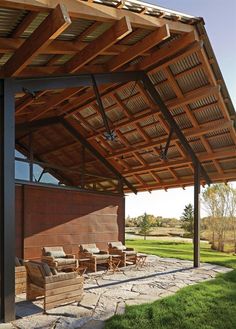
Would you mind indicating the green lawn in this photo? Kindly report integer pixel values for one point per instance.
(208, 305)
(183, 251)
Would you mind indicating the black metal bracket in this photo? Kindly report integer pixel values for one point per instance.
(163, 153)
(109, 134)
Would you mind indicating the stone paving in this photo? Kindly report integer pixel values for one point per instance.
(107, 294)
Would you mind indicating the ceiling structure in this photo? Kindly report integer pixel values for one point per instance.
(45, 38)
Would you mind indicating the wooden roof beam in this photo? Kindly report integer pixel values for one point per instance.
(222, 153)
(140, 47)
(99, 12)
(53, 25)
(119, 30)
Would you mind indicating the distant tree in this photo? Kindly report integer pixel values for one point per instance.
(145, 224)
(220, 203)
(187, 219)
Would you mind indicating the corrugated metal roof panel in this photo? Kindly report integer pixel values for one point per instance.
(134, 137)
(115, 114)
(202, 102)
(165, 91)
(131, 40)
(129, 90)
(9, 20)
(157, 77)
(164, 175)
(146, 178)
(208, 114)
(228, 165)
(87, 111)
(34, 24)
(41, 60)
(77, 27)
(183, 121)
(221, 141)
(96, 33)
(136, 104)
(182, 172)
(192, 81)
(184, 64)
(197, 146)
(209, 167)
(155, 131)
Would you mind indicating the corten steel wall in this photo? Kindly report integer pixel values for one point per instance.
(52, 216)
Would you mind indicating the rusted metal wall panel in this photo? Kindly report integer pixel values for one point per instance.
(67, 218)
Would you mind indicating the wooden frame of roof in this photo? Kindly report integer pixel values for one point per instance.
(46, 38)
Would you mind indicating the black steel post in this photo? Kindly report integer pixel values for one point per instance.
(7, 201)
(196, 238)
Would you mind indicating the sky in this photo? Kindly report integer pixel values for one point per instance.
(220, 23)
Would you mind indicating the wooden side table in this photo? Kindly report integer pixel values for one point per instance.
(140, 261)
(114, 263)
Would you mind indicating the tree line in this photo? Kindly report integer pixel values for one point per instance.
(219, 202)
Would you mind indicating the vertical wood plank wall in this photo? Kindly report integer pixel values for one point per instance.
(51, 216)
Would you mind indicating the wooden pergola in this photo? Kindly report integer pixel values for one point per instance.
(112, 96)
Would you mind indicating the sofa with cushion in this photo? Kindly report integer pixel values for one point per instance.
(55, 287)
(128, 255)
(56, 258)
(90, 256)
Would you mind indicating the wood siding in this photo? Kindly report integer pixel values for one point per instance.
(51, 216)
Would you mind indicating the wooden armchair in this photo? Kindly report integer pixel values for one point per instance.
(56, 257)
(56, 289)
(91, 256)
(127, 254)
(20, 276)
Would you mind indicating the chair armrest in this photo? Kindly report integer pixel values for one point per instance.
(129, 249)
(85, 255)
(103, 252)
(48, 258)
(70, 256)
(114, 251)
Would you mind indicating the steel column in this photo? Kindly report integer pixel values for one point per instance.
(7, 201)
(196, 237)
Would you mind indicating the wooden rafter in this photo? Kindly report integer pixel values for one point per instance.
(53, 25)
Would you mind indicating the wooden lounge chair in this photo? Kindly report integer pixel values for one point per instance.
(91, 256)
(20, 276)
(56, 257)
(128, 255)
(56, 289)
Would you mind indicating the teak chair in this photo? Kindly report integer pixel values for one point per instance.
(57, 258)
(56, 289)
(20, 276)
(91, 256)
(127, 254)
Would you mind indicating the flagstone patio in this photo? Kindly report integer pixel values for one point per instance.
(107, 294)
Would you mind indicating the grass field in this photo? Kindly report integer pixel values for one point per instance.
(182, 250)
(208, 305)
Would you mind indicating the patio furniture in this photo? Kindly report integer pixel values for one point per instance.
(55, 288)
(57, 258)
(127, 255)
(20, 276)
(114, 263)
(140, 261)
(91, 256)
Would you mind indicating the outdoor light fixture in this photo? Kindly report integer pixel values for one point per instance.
(29, 92)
